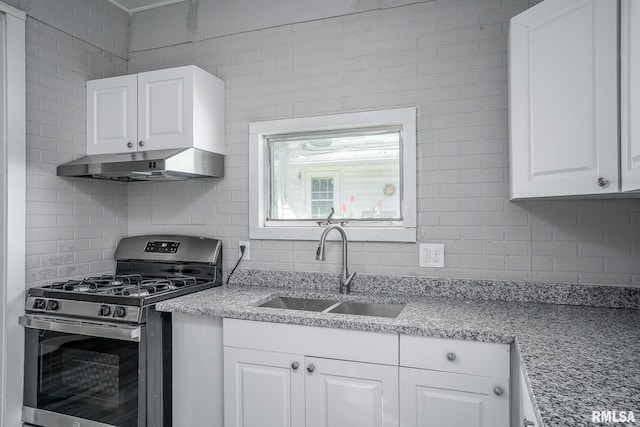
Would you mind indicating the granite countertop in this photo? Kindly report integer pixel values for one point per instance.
(578, 359)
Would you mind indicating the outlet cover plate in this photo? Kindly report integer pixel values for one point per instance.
(431, 255)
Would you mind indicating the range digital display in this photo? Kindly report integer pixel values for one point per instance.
(163, 247)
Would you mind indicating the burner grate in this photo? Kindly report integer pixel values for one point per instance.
(130, 285)
(96, 284)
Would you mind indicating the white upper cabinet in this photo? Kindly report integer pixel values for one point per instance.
(173, 108)
(112, 124)
(563, 96)
(630, 95)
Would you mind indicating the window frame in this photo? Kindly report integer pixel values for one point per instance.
(378, 231)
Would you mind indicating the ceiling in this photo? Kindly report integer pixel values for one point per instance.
(133, 6)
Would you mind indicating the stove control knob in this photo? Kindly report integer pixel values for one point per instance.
(119, 311)
(52, 305)
(104, 310)
(39, 304)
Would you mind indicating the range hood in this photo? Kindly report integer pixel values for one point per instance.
(161, 165)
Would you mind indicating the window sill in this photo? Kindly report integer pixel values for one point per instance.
(354, 234)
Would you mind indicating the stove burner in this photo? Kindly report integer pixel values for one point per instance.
(82, 287)
(136, 291)
(133, 285)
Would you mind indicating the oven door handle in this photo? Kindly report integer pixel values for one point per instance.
(103, 330)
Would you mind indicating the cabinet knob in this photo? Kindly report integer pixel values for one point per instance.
(140, 143)
(311, 367)
(451, 356)
(498, 391)
(295, 366)
(527, 423)
(129, 144)
(602, 181)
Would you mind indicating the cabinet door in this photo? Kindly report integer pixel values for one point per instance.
(165, 109)
(112, 115)
(563, 95)
(261, 388)
(526, 411)
(442, 399)
(630, 95)
(350, 394)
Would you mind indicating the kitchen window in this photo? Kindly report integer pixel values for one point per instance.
(360, 165)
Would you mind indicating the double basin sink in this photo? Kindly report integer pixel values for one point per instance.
(338, 307)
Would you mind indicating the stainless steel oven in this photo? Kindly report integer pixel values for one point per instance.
(90, 373)
(97, 353)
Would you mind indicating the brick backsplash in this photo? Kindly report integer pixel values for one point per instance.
(302, 58)
(448, 58)
(72, 224)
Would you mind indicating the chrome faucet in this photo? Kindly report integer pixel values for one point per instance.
(345, 278)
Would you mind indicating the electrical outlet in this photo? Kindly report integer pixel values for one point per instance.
(244, 243)
(431, 255)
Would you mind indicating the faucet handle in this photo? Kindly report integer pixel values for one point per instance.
(333, 212)
(329, 220)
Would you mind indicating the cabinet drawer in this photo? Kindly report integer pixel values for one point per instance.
(466, 357)
(371, 347)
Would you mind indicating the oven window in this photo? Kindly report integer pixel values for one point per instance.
(88, 377)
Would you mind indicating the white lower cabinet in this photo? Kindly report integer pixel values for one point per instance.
(278, 375)
(267, 385)
(351, 394)
(262, 388)
(441, 399)
(524, 405)
(452, 383)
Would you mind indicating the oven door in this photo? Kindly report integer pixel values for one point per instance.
(83, 373)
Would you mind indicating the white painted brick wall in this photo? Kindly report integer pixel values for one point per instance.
(96, 22)
(446, 57)
(72, 224)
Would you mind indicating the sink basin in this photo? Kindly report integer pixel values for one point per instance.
(331, 306)
(306, 304)
(368, 309)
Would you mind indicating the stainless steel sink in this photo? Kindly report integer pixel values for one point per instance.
(305, 304)
(368, 309)
(337, 307)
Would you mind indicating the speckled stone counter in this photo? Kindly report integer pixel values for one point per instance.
(578, 359)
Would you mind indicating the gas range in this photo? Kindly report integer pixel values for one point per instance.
(149, 269)
(111, 297)
(97, 353)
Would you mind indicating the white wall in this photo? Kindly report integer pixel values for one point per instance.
(96, 22)
(446, 57)
(205, 19)
(72, 224)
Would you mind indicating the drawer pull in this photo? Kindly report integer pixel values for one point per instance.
(528, 423)
(295, 366)
(451, 356)
(602, 182)
(498, 391)
(311, 368)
